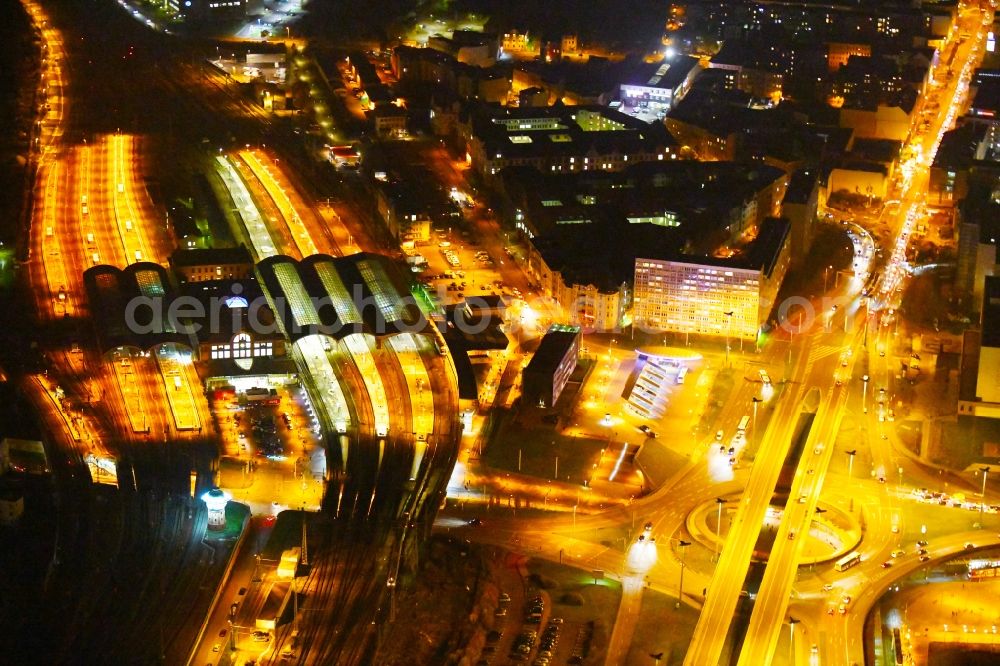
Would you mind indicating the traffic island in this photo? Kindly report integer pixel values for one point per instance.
(832, 533)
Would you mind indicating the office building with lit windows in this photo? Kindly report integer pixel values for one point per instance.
(658, 85)
(730, 297)
(562, 139)
(549, 370)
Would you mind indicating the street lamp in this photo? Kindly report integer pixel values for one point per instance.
(982, 494)
(682, 544)
(791, 636)
(864, 394)
(718, 527)
(850, 471)
(756, 401)
(729, 325)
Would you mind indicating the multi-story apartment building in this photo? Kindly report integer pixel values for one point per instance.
(730, 297)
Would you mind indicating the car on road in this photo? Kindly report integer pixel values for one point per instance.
(898, 553)
(260, 636)
(476, 522)
(969, 546)
(216, 647)
(887, 564)
(925, 558)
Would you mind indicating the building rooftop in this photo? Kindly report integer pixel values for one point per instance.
(980, 207)
(740, 53)
(110, 290)
(359, 293)
(880, 151)
(958, 147)
(801, 186)
(565, 130)
(764, 251)
(211, 257)
(725, 112)
(667, 74)
(552, 349)
(479, 329)
(986, 101)
(991, 312)
(602, 251)
(693, 197)
(245, 309)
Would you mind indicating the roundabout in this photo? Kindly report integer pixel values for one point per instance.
(833, 532)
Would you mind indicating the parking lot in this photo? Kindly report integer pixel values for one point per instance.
(271, 447)
(458, 267)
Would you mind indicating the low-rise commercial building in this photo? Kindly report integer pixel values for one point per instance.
(658, 86)
(468, 47)
(404, 210)
(548, 371)
(389, 121)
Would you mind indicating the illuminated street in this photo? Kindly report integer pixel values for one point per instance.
(377, 333)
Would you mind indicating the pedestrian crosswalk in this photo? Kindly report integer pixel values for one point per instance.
(816, 352)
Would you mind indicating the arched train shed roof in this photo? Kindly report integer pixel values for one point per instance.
(123, 302)
(338, 296)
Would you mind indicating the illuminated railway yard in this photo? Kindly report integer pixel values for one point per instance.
(389, 408)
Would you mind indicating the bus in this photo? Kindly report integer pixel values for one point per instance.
(681, 374)
(744, 423)
(847, 561)
(262, 396)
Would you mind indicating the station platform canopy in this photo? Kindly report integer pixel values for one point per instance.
(339, 296)
(125, 303)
